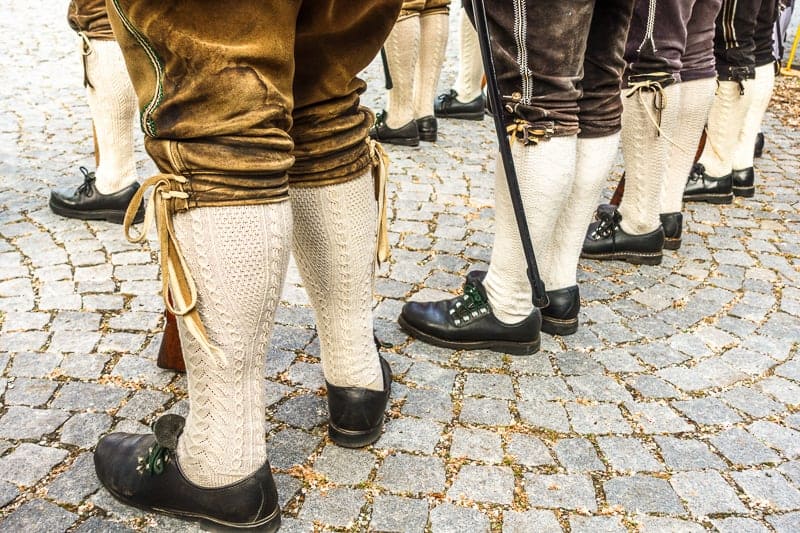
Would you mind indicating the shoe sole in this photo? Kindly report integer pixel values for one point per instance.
(401, 141)
(462, 116)
(559, 326)
(635, 258)
(104, 214)
(270, 524)
(512, 348)
(745, 192)
(672, 243)
(427, 138)
(347, 438)
(710, 198)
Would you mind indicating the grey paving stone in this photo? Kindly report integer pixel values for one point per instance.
(642, 494)
(74, 341)
(7, 493)
(142, 370)
(597, 419)
(739, 525)
(486, 411)
(477, 444)
(540, 389)
(143, 403)
(547, 415)
(23, 341)
(739, 447)
(561, 491)
(652, 387)
(396, 513)
(30, 392)
(429, 404)
(535, 520)
(655, 417)
(84, 429)
(411, 435)
(344, 466)
(783, 439)
(307, 375)
(619, 361)
(29, 463)
(403, 472)
(791, 469)
(74, 485)
(35, 365)
(654, 524)
(95, 524)
(39, 516)
(783, 390)
(27, 423)
(707, 411)
(431, 376)
(88, 396)
(449, 518)
(688, 454)
(785, 523)
(290, 447)
(528, 450)
(489, 484)
(576, 363)
(338, 507)
(706, 493)
(577, 455)
(628, 455)
(83, 366)
(305, 411)
(751, 402)
(599, 388)
(596, 524)
(490, 385)
(768, 487)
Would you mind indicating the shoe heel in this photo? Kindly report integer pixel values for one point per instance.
(517, 348)
(745, 192)
(644, 259)
(562, 327)
(671, 243)
(354, 439)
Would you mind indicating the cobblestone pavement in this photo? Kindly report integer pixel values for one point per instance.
(675, 408)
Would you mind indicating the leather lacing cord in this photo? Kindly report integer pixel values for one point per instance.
(654, 83)
(380, 170)
(86, 50)
(167, 197)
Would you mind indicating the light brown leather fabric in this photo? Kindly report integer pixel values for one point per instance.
(90, 18)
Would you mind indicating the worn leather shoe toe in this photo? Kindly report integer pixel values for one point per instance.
(357, 414)
(143, 471)
(87, 203)
(468, 323)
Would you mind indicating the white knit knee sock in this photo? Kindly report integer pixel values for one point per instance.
(645, 152)
(696, 99)
(594, 160)
(402, 50)
(546, 172)
(470, 67)
(238, 257)
(762, 92)
(334, 245)
(725, 122)
(433, 42)
(112, 102)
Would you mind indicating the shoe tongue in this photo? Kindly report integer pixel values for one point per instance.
(167, 429)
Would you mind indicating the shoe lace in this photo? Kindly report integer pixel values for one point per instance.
(380, 118)
(157, 457)
(87, 187)
(609, 222)
(166, 429)
(472, 304)
(447, 98)
(697, 172)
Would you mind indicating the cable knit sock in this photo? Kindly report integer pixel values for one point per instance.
(433, 42)
(334, 246)
(238, 257)
(762, 92)
(725, 122)
(112, 103)
(470, 67)
(546, 172)
(402, 49)
(696, 99)
(594, 160)
(645, 152)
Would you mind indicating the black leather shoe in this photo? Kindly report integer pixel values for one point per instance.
(87, 203)
(560, 317)
(356, 414)
(606, 241)
(704, 188)
(427, 128)
(758, 149)
(448, 106)
(673, 226)
(468, 323)
(143, 471)
(406, 135)
(743, 182)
